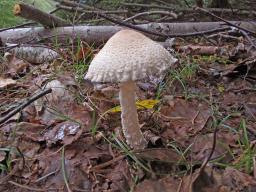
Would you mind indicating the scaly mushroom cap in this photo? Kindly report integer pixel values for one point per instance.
(128, 55)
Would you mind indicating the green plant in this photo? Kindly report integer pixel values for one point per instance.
(183, 75)
(6, 164)
(245, 160)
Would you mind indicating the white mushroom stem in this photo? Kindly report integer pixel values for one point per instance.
(130, 122)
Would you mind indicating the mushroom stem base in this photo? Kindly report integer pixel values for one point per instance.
(130, 122)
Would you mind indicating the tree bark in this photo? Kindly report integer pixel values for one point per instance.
(34, 14)
(100, 34)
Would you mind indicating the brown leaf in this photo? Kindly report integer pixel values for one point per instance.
(185, 118)
(238, 181)
(207, 180)
(167, 184)
(16, 66)
(202, 146)
(159, 154)
(34, 130)
(66, 133)
(5, 83)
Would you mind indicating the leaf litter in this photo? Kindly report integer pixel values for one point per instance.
(67, 138)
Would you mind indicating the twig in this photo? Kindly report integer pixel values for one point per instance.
(18, 26)
(103, 165)
(189, 9)
(63, 169)
(30, 188)
(152, 13)
(147, 6)
(248, 38)
(186, 2)
(74, 4)
(224, 20)
(160, 1)
(212, 150)
(80, 9)
(47, 175)
(25, 104)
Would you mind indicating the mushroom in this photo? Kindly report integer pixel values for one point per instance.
(126, 57)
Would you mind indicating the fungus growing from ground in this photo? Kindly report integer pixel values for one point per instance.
(126, 57)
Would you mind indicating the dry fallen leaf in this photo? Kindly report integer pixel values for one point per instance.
(144, 104)
(5, 83)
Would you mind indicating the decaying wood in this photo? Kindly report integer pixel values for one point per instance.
(99, 34)
(34, 14)
(201, 50)
(35, 54)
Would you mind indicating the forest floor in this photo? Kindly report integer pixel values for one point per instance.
(71, 138)
(199, 119)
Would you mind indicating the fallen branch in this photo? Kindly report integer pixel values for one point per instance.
(100, 34)
(25, 104)
(113, 20)
(34, 14)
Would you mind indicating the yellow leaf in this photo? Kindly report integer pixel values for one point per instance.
(115, 109)
(221, 88)
(144, 104)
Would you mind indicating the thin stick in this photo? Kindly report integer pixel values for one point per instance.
(224, 20)
(212, 150)
(108, 163)
(25, 186)
(152, 13)
(63, 169)
(25, 104)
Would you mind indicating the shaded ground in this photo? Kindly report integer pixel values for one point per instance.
(66, 141)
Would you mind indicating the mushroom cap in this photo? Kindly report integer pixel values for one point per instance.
(128, 56)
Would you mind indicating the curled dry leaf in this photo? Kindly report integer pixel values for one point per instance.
(65, 132)
(6, 83)
(15, 65)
